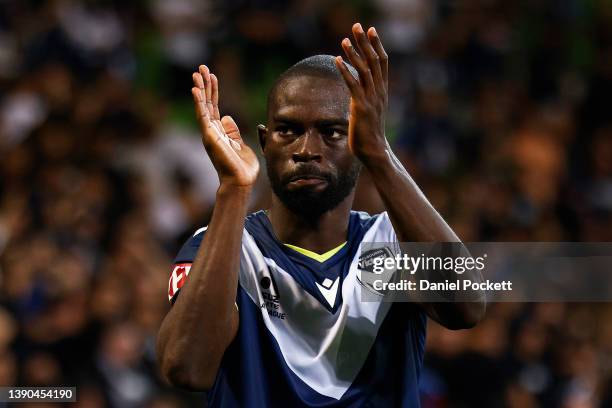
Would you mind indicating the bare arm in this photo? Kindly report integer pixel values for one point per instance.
(412, 216)
(204, 320)
(415, 220)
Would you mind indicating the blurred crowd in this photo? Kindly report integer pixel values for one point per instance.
(499, 109)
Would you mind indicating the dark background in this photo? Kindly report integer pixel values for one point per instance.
(499, 109)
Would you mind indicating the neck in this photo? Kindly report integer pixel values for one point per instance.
(319, 235)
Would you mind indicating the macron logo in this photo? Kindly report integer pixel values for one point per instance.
(329, 289)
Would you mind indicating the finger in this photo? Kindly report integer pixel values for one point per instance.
(231, 129)
(205, 72)
(205, 120)
(200, 105)
(364, 46)
(350, 80)
(215, 96)
(201, 111)
(219, 130)
(367, 51)
(197, 80)
(382, 55)
(365, 76)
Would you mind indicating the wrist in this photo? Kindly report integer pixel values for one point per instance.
(374, 151)
(377, 161)
(234, 191)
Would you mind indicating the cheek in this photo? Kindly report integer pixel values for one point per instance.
(341, 156)
(276, 161)
(349, 166)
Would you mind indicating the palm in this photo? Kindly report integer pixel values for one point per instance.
(233, 159)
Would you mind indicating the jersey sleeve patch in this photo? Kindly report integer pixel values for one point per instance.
(177, 279)
(182, 263)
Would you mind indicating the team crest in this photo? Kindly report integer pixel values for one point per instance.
(366, 274)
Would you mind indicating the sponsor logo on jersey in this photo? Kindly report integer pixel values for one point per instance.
(177, 278)
(271, 296)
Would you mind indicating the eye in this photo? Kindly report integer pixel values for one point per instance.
(333, 133)
(284, 130)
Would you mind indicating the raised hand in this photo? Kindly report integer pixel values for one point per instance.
(369, 93)
(234, 160)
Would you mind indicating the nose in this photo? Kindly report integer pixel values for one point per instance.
(309, 147)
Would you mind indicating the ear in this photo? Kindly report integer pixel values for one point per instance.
(262, 133)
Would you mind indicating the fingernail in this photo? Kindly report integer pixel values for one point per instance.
(346, 42)
(359, 28)
(374, 30)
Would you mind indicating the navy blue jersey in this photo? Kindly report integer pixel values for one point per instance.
(305, 337)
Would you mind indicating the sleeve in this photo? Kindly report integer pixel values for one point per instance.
(388, 233)
(182, 264)
(387, 228)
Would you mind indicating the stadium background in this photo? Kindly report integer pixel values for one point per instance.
(499, 109)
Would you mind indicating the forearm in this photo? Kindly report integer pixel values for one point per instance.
(412, 215)
(204, 320)
(414, 219)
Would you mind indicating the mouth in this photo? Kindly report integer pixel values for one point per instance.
(306, 180)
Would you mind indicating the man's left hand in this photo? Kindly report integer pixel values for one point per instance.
(369, 93)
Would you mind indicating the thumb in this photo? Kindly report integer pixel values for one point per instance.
(230, 128)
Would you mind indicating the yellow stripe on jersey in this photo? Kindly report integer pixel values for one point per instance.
(317, 257)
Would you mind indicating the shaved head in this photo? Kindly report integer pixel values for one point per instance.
(318, 66)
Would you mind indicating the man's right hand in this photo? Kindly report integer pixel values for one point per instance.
(234, 160)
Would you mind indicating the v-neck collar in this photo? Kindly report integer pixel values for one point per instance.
(300, 257)
(317, 257)
(319, 279)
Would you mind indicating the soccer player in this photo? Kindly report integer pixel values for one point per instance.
(267, 307)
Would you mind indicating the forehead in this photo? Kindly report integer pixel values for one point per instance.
(309, 98)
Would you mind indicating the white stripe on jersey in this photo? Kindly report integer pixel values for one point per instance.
(324, 350)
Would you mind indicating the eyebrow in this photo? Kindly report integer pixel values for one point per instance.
(318, 123)
(332, 122)
(284, 119)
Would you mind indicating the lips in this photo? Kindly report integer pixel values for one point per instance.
(306, 177)
(306, 180)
